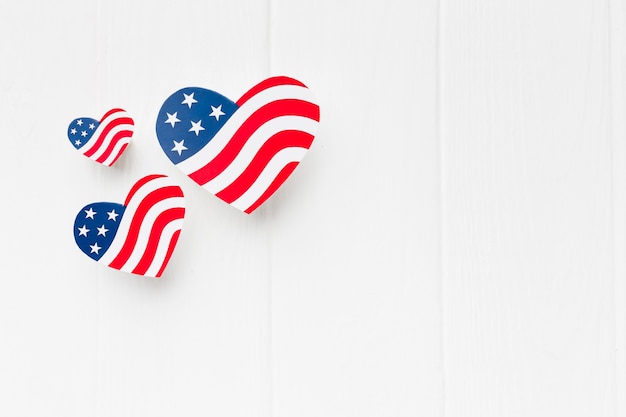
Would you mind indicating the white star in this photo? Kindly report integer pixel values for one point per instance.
(90, 213)
(102, 231)
(95, 248)
(217, 112)
(92, 126)
(189, 100)
(82, 231)
(77, 142)
(73, 131)
(79, 122)
(179, 147)
(196, 127)
(112, 215)
(171, 118)
(83, 133)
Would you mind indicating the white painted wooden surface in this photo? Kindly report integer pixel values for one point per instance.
(454, 243)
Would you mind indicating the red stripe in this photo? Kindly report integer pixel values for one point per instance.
(170, 250)
(269, 83)
(278, 181)
(281, 140)
(113, 123)
(140, 184)
(116, 138)
(110, 112)
(135, 225)
(287, 107)
(119, 154)
(160, 223)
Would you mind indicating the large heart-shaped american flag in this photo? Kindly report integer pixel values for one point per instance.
(138, 236)
(240, 151)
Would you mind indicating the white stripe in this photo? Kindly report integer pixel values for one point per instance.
(116, 150)
(250, 149)
(164, 243)
(109, 138)
(225, 134)
(145, 229)
(268, 175)
(87, 146)
(129, 212)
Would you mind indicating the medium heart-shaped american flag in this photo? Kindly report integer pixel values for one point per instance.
(138, 236)
(240, 151)
(104, 140)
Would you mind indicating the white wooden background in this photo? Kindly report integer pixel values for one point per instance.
(454, 243)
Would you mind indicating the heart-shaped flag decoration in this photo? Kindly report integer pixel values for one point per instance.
(104, 140)
(138, 236)
(240, 151)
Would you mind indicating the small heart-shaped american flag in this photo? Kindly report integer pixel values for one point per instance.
(105, 140)
(138, 236)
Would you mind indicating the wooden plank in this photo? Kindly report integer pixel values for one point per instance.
(47, 336)
(527, 212)
(356, 268)
(77, 338)
(196, 341)
(618, 133)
